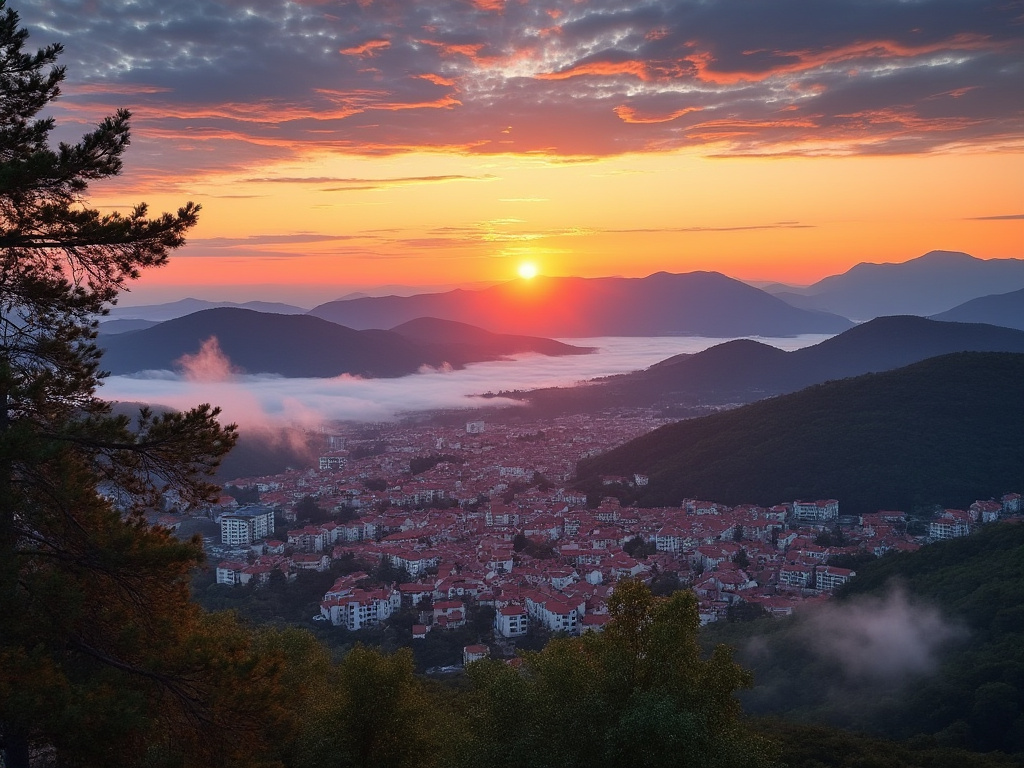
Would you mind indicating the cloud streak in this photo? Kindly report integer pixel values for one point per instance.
(561, 77)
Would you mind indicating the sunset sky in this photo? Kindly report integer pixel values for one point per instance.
(338, 145)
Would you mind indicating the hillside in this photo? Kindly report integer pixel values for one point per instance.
(744, 370)
(1005, 309)
(927, 285)
(965, 692)
(696, 303)
(286, 345)
(942, 431)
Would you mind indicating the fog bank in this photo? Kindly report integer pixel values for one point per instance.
(208, 377)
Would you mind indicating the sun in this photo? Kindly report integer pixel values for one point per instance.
(527, 270)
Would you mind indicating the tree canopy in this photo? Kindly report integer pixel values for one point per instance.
(100, 646)
(638, 694)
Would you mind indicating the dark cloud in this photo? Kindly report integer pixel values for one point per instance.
(216, 83)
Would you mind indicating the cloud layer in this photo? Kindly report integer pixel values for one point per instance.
(217, 82)
(274, 401)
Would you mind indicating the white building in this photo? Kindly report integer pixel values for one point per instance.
(244, 526)
(819, 511)
(511, 621)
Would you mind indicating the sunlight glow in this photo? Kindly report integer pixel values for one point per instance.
(527, 270)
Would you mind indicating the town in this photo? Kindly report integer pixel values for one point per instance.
(483, 516)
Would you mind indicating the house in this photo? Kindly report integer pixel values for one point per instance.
(511, 621)
(473, 653)
(950, 524)
(828, 577)
(230, 572)
(819, 511)
(797, 575)
(449, 614)
(358, 608)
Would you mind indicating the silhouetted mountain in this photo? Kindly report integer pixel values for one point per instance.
(696, 303)
(925, 286)
(288, 345)
(182, 307)
(125, 325)
(745, 370)
(942, 431)
(478, 343)
(1005, 309)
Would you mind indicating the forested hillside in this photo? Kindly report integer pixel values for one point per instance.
(943, 431)
(923, 643)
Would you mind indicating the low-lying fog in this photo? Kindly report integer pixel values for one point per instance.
(207, 377)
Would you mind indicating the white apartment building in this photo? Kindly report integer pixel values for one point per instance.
(247, 525)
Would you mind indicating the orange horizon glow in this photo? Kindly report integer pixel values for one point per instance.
(341, 146)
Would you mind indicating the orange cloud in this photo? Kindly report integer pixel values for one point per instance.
(367, 49)
(600, 68)
(630, 115)
(436, 79)
(809, 60)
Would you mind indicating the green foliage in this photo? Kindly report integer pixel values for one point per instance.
(904, 439)
(807, 746)
(376, 714)
(101, 651)
(972, 698)
(639, 694)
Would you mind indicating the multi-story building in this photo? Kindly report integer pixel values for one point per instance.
(819, 511)
(829, 577)
(511, 621)
(244, 526)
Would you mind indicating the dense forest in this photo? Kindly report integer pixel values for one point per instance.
(926, 645)
(942, 431)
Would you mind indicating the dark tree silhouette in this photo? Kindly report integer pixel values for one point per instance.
(95, 604)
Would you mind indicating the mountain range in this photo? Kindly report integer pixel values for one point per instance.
(306, 346)
(175, 309)
(744, 370)
(1006, 309)
(941, 431)
(930, 284)
(694, 303)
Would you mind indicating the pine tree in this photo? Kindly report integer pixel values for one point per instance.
(100, 646)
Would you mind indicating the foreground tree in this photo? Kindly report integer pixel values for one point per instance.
(101, 650)
(639, 694)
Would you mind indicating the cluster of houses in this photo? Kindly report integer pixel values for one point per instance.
(497, 527)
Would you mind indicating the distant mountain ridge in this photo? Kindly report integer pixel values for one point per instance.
(694, 303)
(175, 309)
(480, 344)
(925, 286)
(744, 370)
(944, 430)
(302, 346)
(1005, 309)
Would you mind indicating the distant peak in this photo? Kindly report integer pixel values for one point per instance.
(946, 256)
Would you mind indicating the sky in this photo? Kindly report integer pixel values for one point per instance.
(336, 145)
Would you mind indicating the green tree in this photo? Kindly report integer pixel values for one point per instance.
(99, 642)
(638, 694)
(377, 713)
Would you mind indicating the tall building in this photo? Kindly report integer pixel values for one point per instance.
(246, 525)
